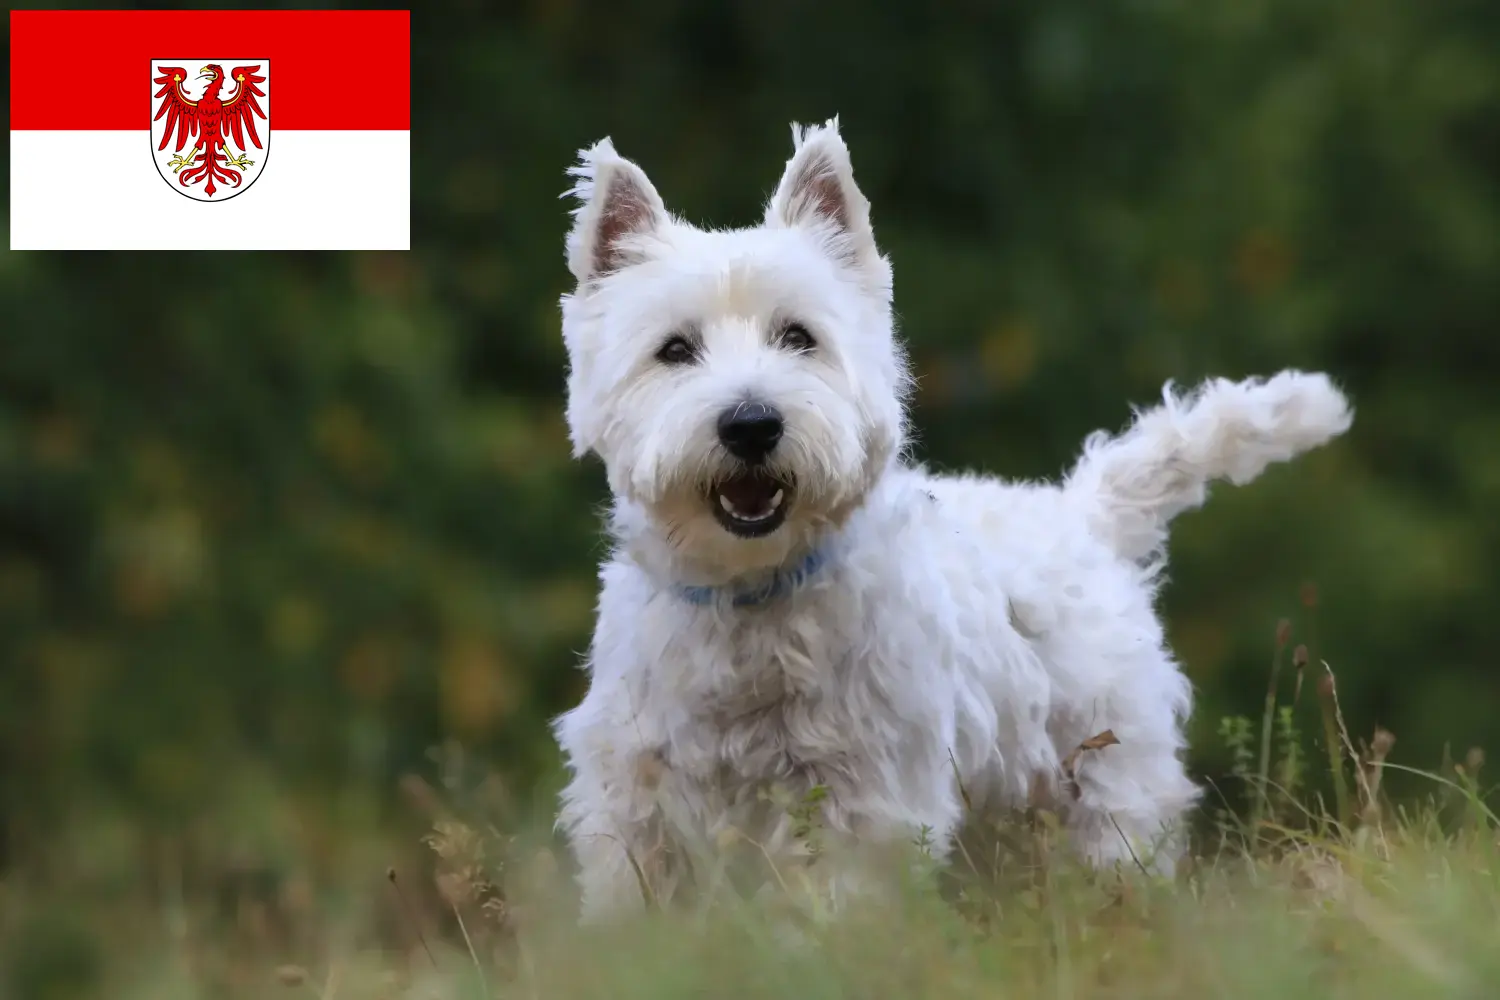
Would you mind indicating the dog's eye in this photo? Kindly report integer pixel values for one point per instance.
(677, 351)
(796, 338)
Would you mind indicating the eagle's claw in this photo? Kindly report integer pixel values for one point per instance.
(179, 161)
(241, 161)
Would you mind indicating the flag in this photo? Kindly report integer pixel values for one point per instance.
(210, 130)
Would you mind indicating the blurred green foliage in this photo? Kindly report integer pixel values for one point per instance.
(285, 520)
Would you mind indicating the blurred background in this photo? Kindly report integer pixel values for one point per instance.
(272, 526)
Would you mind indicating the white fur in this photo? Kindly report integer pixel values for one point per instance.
(963, 629)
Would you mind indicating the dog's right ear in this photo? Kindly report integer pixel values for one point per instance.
(616, 207)
(818, 192)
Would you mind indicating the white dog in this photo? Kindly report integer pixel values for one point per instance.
(791, 604)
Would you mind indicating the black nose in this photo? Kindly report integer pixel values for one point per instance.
(750, 431)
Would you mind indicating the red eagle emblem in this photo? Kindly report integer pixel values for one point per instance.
(210, 115)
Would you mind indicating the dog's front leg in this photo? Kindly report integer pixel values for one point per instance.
(625, 865)
(849, 856)
(626, 843)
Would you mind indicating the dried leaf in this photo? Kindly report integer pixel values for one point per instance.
(1104, 739)
(1070, 762)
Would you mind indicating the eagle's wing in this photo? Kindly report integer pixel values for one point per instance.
(241, 109)
(181, 111)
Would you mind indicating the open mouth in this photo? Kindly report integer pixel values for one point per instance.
(751, 504)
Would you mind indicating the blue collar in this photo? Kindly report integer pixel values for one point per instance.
(783, 582)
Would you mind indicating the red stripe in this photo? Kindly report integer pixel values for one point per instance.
(333, 69)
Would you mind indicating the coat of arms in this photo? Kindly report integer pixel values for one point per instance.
(205, 117)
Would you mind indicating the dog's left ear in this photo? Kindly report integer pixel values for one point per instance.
(617, 206)
(818, 192)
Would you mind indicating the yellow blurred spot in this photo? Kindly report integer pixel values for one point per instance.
(21, 584)
(158, 557)
(1179, 290)
(71, 672)
(523, 441)
(1263, 262)
(392, 274)
(295, 626)
(370, 666)
(57, 440)
(486, 277)
(140, 591)
(1201, 646)
(170, 772)
(552, 431)
(565, 606)
(158, 467)
(936, 382)
(367, 539)
(475, 185)
(1008, 355)
(477, 688)
(342, 435)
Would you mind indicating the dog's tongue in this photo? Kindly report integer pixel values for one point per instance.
(750, 496)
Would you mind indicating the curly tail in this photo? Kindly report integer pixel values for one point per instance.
(1133, 484)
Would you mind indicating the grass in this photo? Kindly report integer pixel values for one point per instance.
(1287, 897)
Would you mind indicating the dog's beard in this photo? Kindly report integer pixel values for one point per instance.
(733, 518)
(679, 499)
(739, 500)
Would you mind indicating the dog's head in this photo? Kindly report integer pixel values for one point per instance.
(744, 388)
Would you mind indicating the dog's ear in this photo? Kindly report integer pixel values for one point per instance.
(616, 207)
(818, 191)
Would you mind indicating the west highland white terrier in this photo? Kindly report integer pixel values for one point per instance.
(791, 605)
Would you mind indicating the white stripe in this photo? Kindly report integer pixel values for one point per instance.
(319, 191)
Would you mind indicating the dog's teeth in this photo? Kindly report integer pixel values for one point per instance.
(771, 508)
